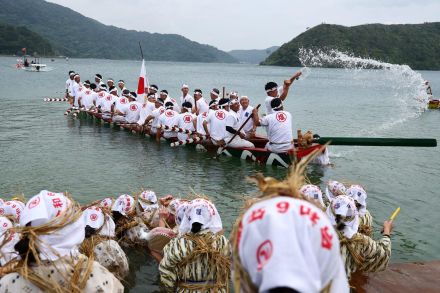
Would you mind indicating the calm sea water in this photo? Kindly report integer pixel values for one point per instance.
(42, 149)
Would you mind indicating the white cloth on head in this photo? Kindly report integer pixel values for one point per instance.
(181, 212)
(12, 208)
(106, 203)
(287, 242)
(359, 195)
(7, 250)
(108, 229)
(148, 200)
(124, 204)
(334, 189)
(204, 212)
(313, 192)
(44, 208)
(345, 207)
(93, 217)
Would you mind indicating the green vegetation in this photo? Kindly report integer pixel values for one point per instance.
(417, 45)
(252, 56)
(13, 39)
(75, 35)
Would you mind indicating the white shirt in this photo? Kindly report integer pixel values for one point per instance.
(176, 106)
(233, 121)
(202, 106)
(100, 98)
(156, 114)
(217, 123)
(200, 118)
(132, 112)
(76, 88)
(147, 110)
(168, 118)
(69, 84)
(279, 127)
(244, 114)
(107, 102)
(121, 104)
(187, 98)
(88, 97)
(185, 121)
(268, 106)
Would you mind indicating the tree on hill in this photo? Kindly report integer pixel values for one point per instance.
(416, 45)
(13, 39)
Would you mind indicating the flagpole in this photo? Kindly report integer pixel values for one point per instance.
(142, 53)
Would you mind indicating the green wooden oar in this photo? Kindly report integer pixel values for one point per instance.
(370, 141)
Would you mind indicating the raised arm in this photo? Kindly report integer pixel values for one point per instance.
(288, 83)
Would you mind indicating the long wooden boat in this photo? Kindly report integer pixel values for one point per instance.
(258, 154)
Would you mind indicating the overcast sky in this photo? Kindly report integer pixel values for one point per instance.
(249, 24)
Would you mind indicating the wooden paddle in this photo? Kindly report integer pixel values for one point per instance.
(220, 149)
(376, 141)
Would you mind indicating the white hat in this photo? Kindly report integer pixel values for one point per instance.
(333, 189)
(93, 217)
(313, 192)
(244, 97)
(288, 242)
(8, 239)
(147, 198)
(345, 207)
(12, 208)
(106, 203)
(185, 86)
(204, 212)
(47, 207)
(124, 204)
(359, 195)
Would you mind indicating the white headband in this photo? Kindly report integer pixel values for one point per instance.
(272, 89)
(214, 93)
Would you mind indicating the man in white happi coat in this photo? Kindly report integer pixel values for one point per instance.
(154, 117)
(121, 107)
(186, 120)
(88, 97)
(217, 123)
(278, 127)
(272, 91)
(147, 108)
(201, 106)
(168, 118)
(213, 105)
(76, 89)
(133, 110)
(121, 86)
(244, 113)
(234, 138)
(69, 84)
(186, 97)
(164, 96)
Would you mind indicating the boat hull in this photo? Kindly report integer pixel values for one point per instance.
(258, 154)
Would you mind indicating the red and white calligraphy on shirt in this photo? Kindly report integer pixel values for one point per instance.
(35, 202)
(281, 116)
(187, 118)
(133, 107)
(169, 113)
(220, 115)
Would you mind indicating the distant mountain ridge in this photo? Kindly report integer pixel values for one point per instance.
(75, 35)
(13, 39)
(252, 56)
(417, 45)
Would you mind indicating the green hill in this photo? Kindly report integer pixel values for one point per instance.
(252, 56)
(75, 35)
(417, 45)
(13, 39)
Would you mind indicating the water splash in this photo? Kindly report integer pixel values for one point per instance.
(407, 85)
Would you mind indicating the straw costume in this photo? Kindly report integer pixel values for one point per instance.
(100, 243)
(283, 241)
(359, 252)
(52, 228)
(198, 260)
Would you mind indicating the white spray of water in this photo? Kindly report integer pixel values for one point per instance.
(407, 85)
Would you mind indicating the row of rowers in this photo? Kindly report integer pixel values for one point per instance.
(286, 240)
(220, 119)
